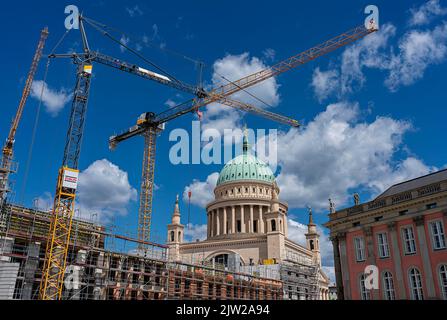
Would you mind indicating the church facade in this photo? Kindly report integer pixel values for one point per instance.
(247, 229)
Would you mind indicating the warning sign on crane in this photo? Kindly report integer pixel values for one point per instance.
(70, 178)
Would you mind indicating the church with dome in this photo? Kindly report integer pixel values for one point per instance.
(247, 230)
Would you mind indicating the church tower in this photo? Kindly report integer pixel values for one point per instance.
(276, 228)
(313, 238)
(175, 233)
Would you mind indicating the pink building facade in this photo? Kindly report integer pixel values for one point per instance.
(401, 236)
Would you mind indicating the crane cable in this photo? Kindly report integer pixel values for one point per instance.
(150, 43)
(244, 90)
(36, 120)
(107, 34)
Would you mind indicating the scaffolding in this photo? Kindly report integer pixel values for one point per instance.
(103, 265)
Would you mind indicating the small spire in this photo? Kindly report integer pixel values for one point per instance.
(176, 208)
(245, 144)
(176, 214)
(311, 221)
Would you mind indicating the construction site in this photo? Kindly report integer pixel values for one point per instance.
(54, 255)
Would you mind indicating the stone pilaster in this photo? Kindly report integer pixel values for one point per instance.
(397, 262)
(423, 245)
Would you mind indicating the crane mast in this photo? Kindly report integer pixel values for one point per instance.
(148, 123)
(6, 163)
(63, 208)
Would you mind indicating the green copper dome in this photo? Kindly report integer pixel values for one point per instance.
(245, 167)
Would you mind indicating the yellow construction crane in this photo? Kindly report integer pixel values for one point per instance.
(63, 207)
(7, 166)
(149, 124)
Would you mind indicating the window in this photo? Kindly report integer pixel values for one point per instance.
(437, 234)
(408, 238)
(443, 280)
(359, 249)
(221, 260)
(365, 294)
(172, 236)
(403, 212)
(431, 206)
(388, 286)
(255, 226)
(356, 224)
(273, 223)
(415, 284)
(382, 245)
(239, 226)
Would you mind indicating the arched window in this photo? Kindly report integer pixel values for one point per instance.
(179, 236)
(415, 284)
(172, 236)
(273, 223)
(443, 280)
(365, 294)
(388, 286)
(311, 244)
(221, 260)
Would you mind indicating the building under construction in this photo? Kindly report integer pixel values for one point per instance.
(96, 271)
(52, 255)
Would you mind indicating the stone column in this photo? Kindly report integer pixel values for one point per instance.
(242, 219)
(397, 262)
(261, 220)
(233, 219)
(217, 223)
(208, 221)
(423, 245)
(344, 267)
(225, 231)
(337, 268)
(251, 220)
(212, 223)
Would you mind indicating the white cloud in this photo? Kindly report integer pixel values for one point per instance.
(324, 83)
(170, 103)
(44, 202)
(54, 100)
(330, 272)
(269, 54)
(125, 41)
(134, 11)
(370, 52)
(155, 34)
(104, 189)
(417, 51)
(336, 153)
(426, 12)
(202, 192)
(234, 67)
(195, 231)
(403, 66)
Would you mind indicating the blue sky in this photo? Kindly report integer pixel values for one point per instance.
(373, 113)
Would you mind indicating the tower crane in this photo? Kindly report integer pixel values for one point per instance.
(63, 207)
(6, 163)
(149, 125)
